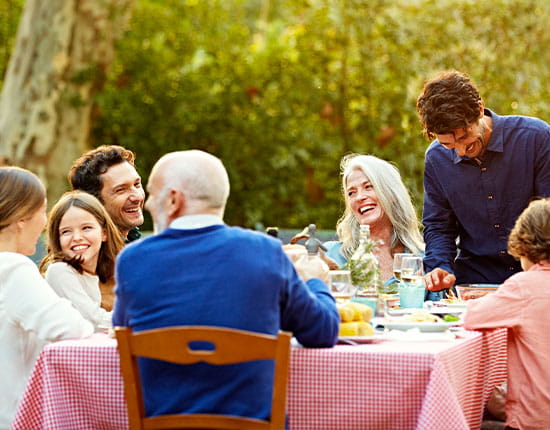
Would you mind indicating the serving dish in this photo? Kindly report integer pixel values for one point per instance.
(474, 291)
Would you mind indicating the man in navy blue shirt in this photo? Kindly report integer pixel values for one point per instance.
(481, 171)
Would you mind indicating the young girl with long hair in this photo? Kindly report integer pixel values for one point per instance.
(83, 243)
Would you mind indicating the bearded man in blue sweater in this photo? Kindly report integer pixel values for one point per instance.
(198, 271)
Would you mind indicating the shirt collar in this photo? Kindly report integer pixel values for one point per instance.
(190, 222)
(496, 142)
(132, 235)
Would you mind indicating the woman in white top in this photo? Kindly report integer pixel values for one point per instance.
(30, 312)
(82, 246)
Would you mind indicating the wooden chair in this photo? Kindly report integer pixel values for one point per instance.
(231, 346)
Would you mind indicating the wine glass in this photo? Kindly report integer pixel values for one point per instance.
(340, 285)
(412, 269)
(397, 263)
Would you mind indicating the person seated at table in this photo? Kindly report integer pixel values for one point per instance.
(521, 305)
(374, 194)
(108, 172)
(198, 271)
(83, 243)
(30, 312)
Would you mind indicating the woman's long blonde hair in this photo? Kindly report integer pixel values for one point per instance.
(393, 197)
(109, 249)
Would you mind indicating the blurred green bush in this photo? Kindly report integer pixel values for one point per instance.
(280, 90)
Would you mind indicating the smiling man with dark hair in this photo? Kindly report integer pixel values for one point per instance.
(108, 173)
(481, 171)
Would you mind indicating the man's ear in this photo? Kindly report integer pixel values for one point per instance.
(175, 204)
(481, 109)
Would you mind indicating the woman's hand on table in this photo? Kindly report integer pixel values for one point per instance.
(439, 279)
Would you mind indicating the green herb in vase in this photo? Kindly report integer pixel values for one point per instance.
(363, 265)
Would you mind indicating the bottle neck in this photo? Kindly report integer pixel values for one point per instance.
(364, 235)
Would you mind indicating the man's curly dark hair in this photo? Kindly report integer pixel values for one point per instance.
(449, 101)
(85, 173)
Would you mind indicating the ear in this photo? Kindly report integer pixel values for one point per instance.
(175, 203)
(103, 235)
(20, 224)
(481, 109)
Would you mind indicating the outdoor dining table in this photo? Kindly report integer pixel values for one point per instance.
(408, 383)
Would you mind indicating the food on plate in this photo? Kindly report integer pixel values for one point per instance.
(356, 328)
(361, 312)
(452, 301)
(346, 313)
(473, 295)
(421, 316)
(450, 318)
(354, 319)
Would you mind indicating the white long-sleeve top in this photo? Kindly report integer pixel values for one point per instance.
(82, 290)
(31, 314)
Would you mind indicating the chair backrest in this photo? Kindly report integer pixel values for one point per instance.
(230, 346)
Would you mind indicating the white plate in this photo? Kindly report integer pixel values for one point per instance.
(443, 303)
(422, 326)
(442, 310)
(361, 339)
(405, 311)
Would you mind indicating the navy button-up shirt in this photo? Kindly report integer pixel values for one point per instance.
(470, 206)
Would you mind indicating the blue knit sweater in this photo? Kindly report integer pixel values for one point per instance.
(222, 276)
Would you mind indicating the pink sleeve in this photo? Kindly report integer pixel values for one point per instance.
(502, 308)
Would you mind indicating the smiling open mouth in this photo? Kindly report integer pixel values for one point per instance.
(77, 248)
(365, 209)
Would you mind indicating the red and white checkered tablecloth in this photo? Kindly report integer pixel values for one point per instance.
(396, 385)
(383, 385)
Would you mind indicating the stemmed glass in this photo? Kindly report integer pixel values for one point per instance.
(340, 285)
(397, 263)
(412, 270)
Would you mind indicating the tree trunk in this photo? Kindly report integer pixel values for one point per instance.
(62, 51)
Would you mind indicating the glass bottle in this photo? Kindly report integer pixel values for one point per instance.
(364, 268)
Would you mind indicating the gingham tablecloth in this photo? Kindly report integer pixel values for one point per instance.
(383, 385)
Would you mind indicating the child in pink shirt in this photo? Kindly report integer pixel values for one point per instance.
(522, 304)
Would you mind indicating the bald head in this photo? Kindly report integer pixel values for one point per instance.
(186, 183)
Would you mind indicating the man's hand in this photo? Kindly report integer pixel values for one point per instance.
(439, 279)
(312, 268)
(295, 251)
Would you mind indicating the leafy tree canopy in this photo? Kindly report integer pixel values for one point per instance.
(280, 90)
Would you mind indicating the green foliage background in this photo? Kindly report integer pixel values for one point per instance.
(280, 90)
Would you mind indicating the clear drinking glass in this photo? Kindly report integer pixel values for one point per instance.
(397, 263)
(340, 285)
(412, 270)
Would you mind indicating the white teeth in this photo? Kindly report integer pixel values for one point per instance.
(79, 247)
(365, 209)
